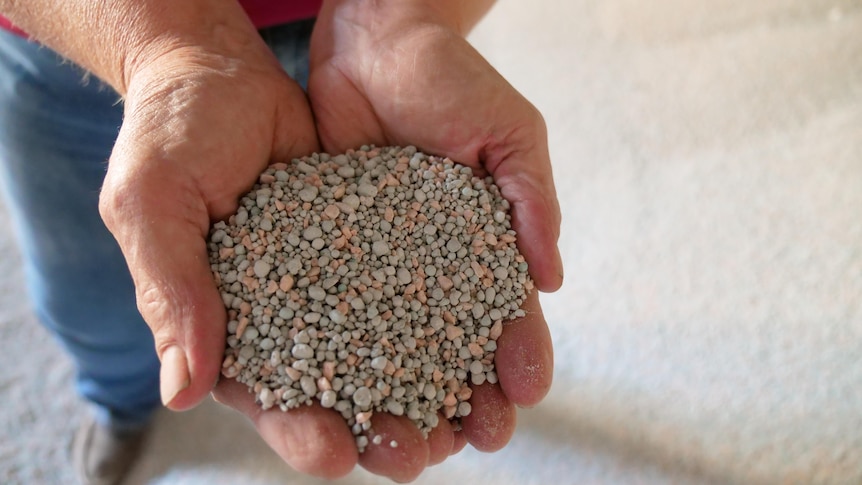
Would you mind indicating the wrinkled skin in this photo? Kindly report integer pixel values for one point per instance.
(201, 127)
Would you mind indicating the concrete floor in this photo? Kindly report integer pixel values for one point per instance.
(708, 157)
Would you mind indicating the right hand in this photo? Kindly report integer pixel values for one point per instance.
(199, 128)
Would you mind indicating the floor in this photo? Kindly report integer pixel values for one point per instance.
(708, 157)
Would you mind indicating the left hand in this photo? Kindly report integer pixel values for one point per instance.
(406, 77)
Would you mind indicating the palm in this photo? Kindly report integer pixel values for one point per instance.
(187, 130)
(433, 90)
(402, 95)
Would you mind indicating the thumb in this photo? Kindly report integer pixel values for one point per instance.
(161, 222)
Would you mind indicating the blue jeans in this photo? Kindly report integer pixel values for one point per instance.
(57, 129)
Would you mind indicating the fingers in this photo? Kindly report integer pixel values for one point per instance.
(524, 364)
(310, 439)
(526, 181)
(400, 452)
(459, 441)
(161, 225)
(525, 358)
(491, 423)
(440, 441)
(317, 441)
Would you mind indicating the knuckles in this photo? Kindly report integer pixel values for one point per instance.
(116, 202)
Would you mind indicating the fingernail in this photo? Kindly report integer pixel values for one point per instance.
(174, 376)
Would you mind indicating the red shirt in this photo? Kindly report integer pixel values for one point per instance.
(266, 13)
(263, 13)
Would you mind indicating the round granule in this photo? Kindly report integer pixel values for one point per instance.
(373, 281)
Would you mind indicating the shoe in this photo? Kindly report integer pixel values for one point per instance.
(102, 455)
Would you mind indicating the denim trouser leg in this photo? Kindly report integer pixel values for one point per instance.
(56, 135)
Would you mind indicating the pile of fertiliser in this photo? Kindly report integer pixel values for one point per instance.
(372, 281)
